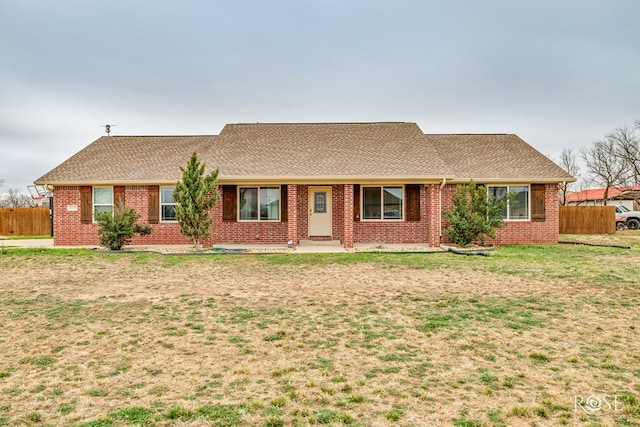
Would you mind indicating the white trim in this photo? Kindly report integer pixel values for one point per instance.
(93, 201)
(258, 187)
(170, 221)
(382, 219)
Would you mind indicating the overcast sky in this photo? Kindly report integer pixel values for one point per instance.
(558, 73)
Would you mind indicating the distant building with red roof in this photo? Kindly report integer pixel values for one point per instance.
(626, 196)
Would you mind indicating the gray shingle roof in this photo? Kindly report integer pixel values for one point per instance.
(496, 157)
(306, 152)
(127, 159)
(366, 150)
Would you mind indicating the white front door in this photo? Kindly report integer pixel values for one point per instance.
(320, 211)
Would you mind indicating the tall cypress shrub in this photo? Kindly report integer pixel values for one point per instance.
(195, 195)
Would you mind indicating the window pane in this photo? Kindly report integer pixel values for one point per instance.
(169, 213)
(497, 194)
(392, 202)
(98, 209)
(519, 207)
(249, 203)
(371, 203)
(102, 196)
(269, 203)
(166, 195)
(320, 202)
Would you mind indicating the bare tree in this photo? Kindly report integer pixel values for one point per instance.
(14, 199)
(606, 168)
(627, 148)
(568, 162)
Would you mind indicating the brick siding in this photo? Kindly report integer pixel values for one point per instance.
(397, 231)
(520, 232)
(69, 231)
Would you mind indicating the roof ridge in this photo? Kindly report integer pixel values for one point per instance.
(318, 123)
(154, 136)
(466, 134)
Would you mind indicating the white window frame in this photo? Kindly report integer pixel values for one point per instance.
(94, 204)
(166, 204)
(382, 218)
(508, 186)
(258, 187)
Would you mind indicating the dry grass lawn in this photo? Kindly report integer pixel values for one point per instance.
(359, 339)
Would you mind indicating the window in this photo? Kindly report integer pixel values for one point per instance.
(320, 202)
(167, 204)
(382, 203)
(259, 203)
(518, 206)
(102, 200)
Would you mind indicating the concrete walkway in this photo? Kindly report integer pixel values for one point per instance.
(27, 243)
(305, 247)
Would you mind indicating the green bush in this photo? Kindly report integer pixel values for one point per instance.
(118, 229)
(474, 215)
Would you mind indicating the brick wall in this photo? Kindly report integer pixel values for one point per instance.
(348, 216)
(430, 213)
(167, 233)
(534, 232)
(520, 232)
(292, 224)
(400, 231)
(69, 231)
(247, 232)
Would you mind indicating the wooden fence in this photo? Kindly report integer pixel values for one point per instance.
(587, 219)
(24, 221)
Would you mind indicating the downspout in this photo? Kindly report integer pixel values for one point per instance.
(444, 182)
(49, 189)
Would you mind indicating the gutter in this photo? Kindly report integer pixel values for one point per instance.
(245, 180)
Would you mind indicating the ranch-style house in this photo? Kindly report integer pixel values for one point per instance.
(349, 182)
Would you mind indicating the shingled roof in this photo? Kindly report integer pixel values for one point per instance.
(309, 153)
(496, 157)
(127, 159)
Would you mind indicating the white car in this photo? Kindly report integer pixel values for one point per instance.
(631, 217)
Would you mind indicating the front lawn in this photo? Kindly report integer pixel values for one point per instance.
(537, 335)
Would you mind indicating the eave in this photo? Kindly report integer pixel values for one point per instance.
(277, 180)
(518, 180)
(269, 180)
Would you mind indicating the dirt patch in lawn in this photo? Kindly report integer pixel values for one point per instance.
(90, 337)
